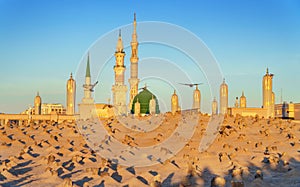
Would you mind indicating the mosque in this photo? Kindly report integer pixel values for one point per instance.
(140, 104)
(145, 102)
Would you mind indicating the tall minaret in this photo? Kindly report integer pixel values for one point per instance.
(133, 81)
(119, 89)
(223, 98)
(174, 103)
(197, 99)
(37, 104)
(88, 86)
(268, 102)
(87, 107)
(214, 107)
(243, 101)
(71, 94)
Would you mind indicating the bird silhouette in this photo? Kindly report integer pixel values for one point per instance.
(92, 88)
(191, 84)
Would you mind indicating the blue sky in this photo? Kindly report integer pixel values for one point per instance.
(41, 42)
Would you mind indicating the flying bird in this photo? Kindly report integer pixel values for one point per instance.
(92, 88)
(191, 85)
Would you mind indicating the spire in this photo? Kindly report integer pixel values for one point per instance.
(88, 71)
(37, 94)
(134, 36)
(223, 80)
(267, 71)
(120, 43)
(71, 76)
(134, 18)
(243, 94)
(174, 91)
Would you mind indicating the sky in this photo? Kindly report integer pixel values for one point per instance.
(42, 42)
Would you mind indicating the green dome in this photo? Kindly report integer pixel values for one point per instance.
(144, 98)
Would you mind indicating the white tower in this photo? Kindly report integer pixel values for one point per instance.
(243, 101)
(268, 95)
(137, 108)
(119, 89)
(86, 107)
(133, 81)
(174, 103)
(152, 106)
(87, 99)
(223, 98)
(197, 99)
(214, 107)
(71, 94)
(37, 104)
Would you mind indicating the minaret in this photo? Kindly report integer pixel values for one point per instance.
(197, 99)
(268, 102)
(236, 103)
(133, 81)
(174, 103)
(137, 108)
(87, 99)
(243, 101)
(214, 107)
(119, 89)
(37, 104)
(71, 94)
(152, 106)
(223, 98)
(87, 107)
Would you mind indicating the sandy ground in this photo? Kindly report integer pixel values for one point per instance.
(246, 152)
